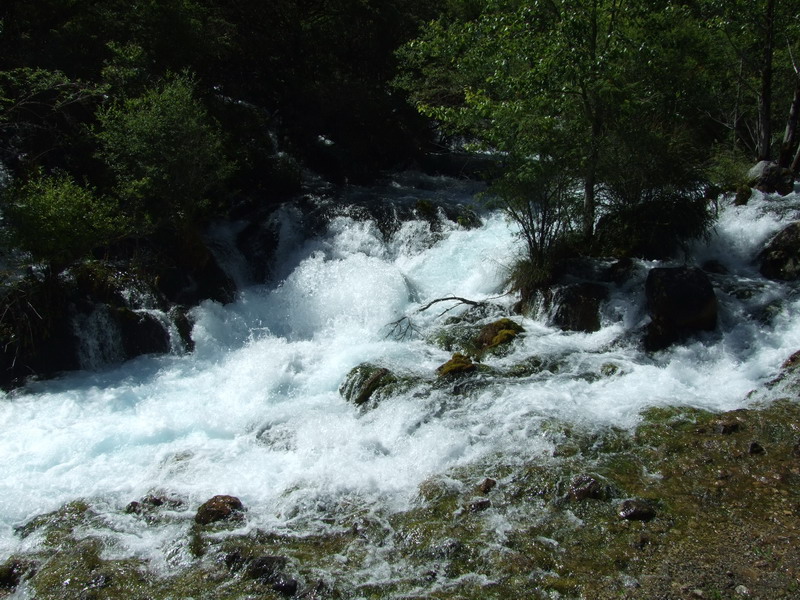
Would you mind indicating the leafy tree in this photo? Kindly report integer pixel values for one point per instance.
(58, 220)
(166, 154)
(605, 89)
(761, 40)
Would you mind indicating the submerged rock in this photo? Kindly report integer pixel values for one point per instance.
(153, 502)
(13, 572)
(486, 486)
(636, 509)
(681, 301)
(141, 332)
(587, 486)
(266, 568)
(219, 508)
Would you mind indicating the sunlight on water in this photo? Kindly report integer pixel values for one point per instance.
(255, 410)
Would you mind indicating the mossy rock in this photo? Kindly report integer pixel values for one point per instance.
(533, 365)
(56, 527)
(457, 366)
(455, 337)
(367, 384)
(497, 333)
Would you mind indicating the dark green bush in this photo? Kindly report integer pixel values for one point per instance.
(166, 154)
(654, 229)
(58, 220)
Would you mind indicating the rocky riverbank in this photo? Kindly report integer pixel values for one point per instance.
(689, 504)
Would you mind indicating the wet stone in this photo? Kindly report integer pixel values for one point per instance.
(486, 486)
(266, 568)
(585, 486)
(285, 586)
(796, 450)
(480, 505)
(219, 508)
(12, 572)
(151, 502)
(635, 509)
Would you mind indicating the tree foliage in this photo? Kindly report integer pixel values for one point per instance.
(165, 152)
(58, 220)
(609, 91)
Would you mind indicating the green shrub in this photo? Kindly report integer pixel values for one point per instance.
(727, 168)
(58, 220)
(166, 154)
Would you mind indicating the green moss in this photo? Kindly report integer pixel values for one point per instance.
(367, 384)
(457, 366)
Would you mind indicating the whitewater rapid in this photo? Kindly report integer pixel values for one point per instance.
(255, 410)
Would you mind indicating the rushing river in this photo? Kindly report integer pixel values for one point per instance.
(255, 410)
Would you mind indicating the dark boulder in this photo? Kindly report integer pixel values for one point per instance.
(192, 274)
(141, 332)
(681, 302)
(780, 259)
(219, 508)
(486, 486)
(265, 568)
(577, 306)
(768, 177)
(13, 572)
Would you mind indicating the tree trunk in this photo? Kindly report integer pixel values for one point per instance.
(765, 97)
(589, 183)
(790, 137)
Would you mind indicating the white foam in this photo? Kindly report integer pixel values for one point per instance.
(255, 410)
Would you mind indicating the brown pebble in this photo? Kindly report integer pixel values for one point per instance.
(486, 486)
(479, 505)
(586, 486)
(636, 509)
(219, 508)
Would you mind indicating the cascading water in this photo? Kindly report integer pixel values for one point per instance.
(255, 410)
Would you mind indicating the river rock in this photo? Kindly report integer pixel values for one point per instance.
(636, 509)
(586, 486)
(363, 381)
(12, 573)
(458, 365)
(681, 301)
(496, 334)
(219, 508)
(265, 568)
(486, 486)
(780, 259)
(141, 332)
(577, 306)
(766, 176)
